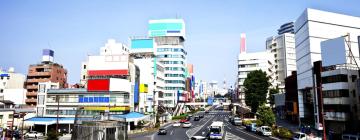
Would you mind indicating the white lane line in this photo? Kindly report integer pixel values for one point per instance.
(194, 132)
(171, 132)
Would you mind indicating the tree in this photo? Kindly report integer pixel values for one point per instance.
(272, 92)
(266, 116)
(256, 88)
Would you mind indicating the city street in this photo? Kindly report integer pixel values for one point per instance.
(200, 128)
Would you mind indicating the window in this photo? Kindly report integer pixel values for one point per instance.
(335, 78)
(1, 90)
(353, 78)
(11, 116)
(336, 93)
(85, 65)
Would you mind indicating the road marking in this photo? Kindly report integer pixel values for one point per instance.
(195, 130)
(230, 136)
(171, 132)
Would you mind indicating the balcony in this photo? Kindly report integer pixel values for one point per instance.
(37, 80)
(337, 116)
(30, 100)
(31, 94)
(337, 101)
(31, 87)
(39, 74)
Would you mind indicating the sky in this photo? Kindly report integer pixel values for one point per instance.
(74, 29)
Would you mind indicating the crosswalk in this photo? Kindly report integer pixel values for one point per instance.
(192, 131)
(230, 136)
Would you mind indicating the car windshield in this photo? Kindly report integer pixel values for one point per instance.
(297, 136)
(267, 129)
(215, 130)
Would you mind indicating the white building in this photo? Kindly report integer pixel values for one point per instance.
(311, 28)
(169, 37)
(282, 48)
(111, 47)
(151, 73)
(12, 86)
(248, 62)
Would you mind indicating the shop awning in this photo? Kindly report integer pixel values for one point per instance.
(132, 116)
(48, 121)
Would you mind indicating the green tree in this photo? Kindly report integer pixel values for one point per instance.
(52, 135)
(272, 92)
(266, 115)
(256, 87)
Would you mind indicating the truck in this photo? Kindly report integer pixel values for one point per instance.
(216, 130)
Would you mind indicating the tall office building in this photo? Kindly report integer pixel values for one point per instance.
(169, 38)
(311, 28)
(46, 71)
(282, 48)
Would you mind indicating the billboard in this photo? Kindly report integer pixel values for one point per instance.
(166, 27)
(98, 85)
(333, 51)
(108, 65)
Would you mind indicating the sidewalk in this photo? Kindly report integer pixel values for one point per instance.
(287, 124)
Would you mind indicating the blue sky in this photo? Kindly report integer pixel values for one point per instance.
(74, 29)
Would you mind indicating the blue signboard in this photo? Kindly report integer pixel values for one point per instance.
(136, 92)
(210, 101)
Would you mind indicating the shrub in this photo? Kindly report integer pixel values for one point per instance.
(247, 122)
(259, 122)
(183, 116)
(283, 133)
(51, 135)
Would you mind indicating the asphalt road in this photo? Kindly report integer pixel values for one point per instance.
(200, 128)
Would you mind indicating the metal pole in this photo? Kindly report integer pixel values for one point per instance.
(12, 124)
(22, 125)
(57, 117)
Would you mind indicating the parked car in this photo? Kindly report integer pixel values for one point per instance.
(198, 138)
(162, 131)
(33, 134)
(196, 118)
(251, 127)
(176, 124)
(186, 125)
(264, 130)
(299, 136)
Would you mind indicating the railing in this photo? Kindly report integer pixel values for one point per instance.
(31, 94)
(39, 74)
(338, 116)
(37, 80)
(30, 100)
(31, 87)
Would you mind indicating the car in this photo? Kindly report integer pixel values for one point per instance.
(201, 116)
(207, 111)
(196, 118)
(251, 127)
(186, 125)
(198, 138)
(299, 136)
(264, 130)
(162, 131)
(236, 121)
(190, 115)
(184, 120)
(33, 134)
(176, 124)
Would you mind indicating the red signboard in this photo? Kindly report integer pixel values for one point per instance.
(98, 85)
(107, 72)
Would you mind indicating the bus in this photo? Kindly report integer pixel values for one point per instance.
(216, 130)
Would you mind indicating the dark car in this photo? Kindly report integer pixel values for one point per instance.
(201, 116)
(207, 111)
(196, 118)
(162, 131)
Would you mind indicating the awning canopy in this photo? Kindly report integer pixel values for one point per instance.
(48, 121)
(132, 116)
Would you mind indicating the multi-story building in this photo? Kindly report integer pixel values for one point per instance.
(286, 28)
(169, 38)
(248, 62)
(311, 28)
(46, 71)
(151, 73)
(12, 86)
(282, 48)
